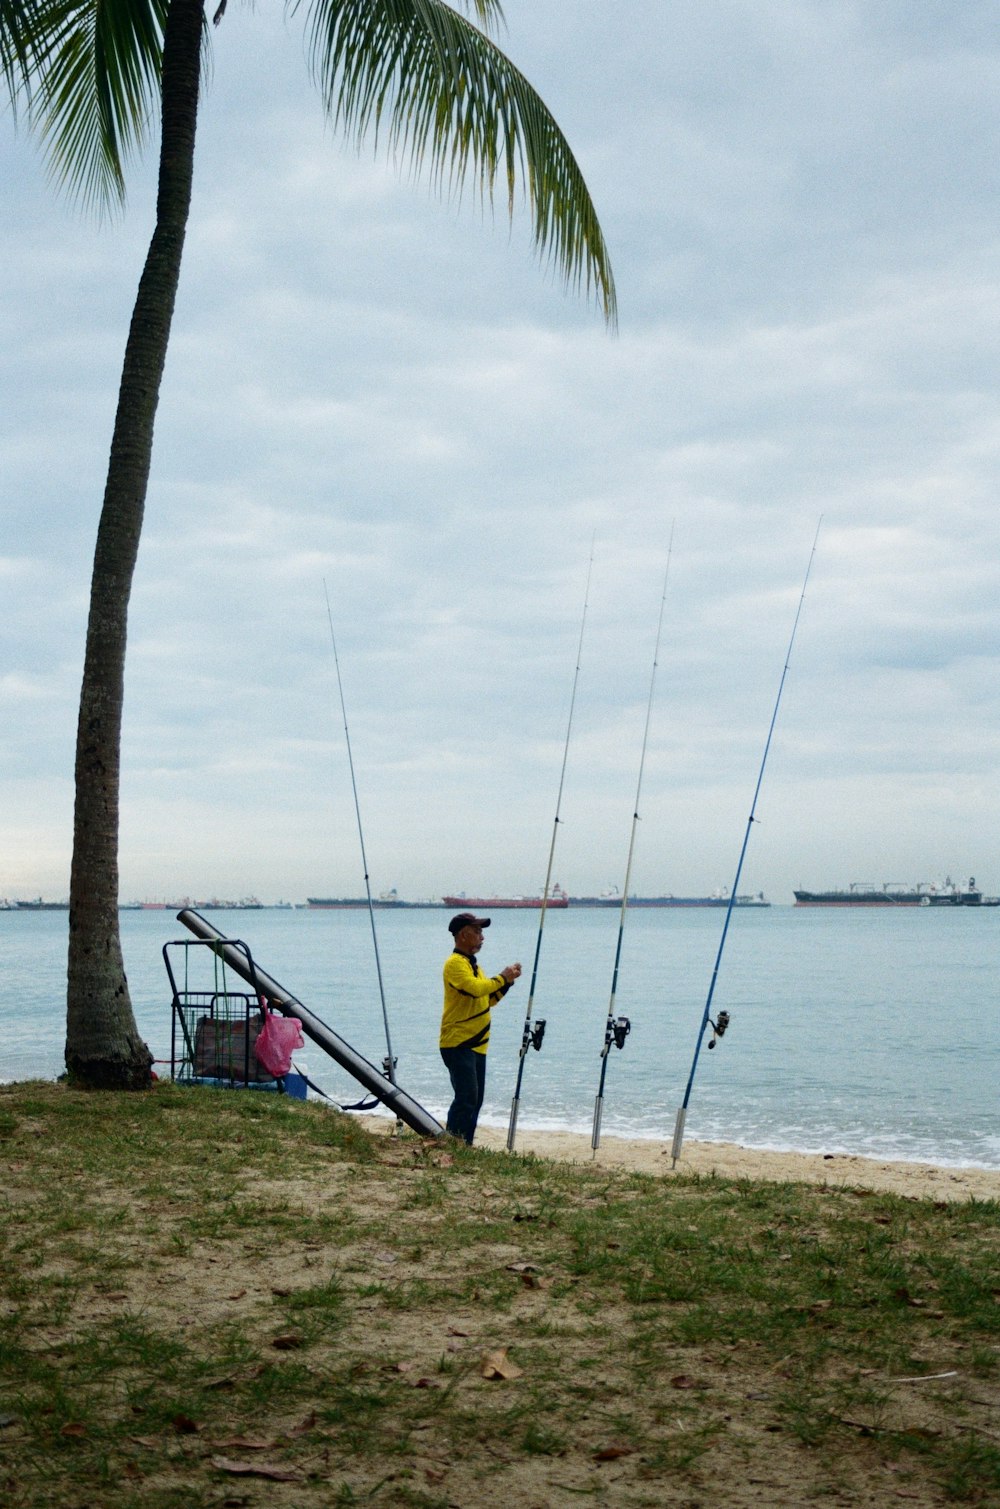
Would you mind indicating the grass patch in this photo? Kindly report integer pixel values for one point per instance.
(227, 1298)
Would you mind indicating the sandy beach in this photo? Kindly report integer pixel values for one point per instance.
(727, 1160)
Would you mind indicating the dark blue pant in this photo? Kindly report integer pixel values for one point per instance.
(468, 1080)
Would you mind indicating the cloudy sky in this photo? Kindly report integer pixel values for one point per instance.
(378, 391)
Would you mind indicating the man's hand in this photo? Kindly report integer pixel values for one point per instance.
(511, 973)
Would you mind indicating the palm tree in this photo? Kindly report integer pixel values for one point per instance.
(416, 73)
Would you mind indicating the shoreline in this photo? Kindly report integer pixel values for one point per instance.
(729, 1160)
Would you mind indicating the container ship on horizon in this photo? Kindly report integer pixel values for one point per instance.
(557, 898)
(862, 893)
(351, 903)
(717, 899)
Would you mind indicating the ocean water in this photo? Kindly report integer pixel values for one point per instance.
(872, 1033)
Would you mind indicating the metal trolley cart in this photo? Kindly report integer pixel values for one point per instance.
(213, 1026)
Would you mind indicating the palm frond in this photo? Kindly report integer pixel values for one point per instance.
(19, 29)
(92, 78)
(427, 81)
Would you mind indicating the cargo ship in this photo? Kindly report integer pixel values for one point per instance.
(862, 893)
(557, 898)
(351, 903)
(717, 899)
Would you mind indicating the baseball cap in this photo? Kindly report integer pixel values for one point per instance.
(466, 919)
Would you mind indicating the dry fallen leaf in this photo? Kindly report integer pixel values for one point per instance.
(256, 1470)
(73, 1428)
(498, 1365)
(535, 1281)
(287, 1343)
(684, 1380)
(611, 1453)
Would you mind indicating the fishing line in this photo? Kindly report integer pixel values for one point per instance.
(722, 1019)
(531, 1036)
(389, 1062)
(617, 1029)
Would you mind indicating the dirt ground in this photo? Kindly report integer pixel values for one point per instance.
(724, 1443)
(750, 1461)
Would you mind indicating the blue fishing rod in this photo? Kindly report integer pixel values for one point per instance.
(721, 1021)
(617, 1028)
(532, 1035)
(389, 1062)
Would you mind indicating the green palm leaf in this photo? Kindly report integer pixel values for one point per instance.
(19, 28)
(91, 72)
(432, 85)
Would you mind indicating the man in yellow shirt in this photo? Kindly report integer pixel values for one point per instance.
(469, 997)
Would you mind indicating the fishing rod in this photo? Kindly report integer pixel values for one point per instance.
(531, 1036)
(389, 1062)
(617, 1029)
(721, 1021)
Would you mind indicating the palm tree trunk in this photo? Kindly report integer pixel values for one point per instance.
(103, 1046)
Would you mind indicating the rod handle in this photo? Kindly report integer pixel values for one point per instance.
(595, 1136)
(675, 1151)
(512, 1124)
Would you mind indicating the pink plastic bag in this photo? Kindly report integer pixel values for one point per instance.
(277, 1041)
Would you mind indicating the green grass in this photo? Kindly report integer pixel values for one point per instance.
(192, 1279)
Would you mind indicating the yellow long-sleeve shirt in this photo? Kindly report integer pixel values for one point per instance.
(469, 997)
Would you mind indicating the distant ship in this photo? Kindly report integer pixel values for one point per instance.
(351, 903)
(557, 898)
(210, 903)
(862, 893)
(717, 899)
(217, 904)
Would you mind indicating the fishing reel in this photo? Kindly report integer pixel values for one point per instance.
(718, 1027)
(620, 1029)
(537, 1034)
(388, 1068)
